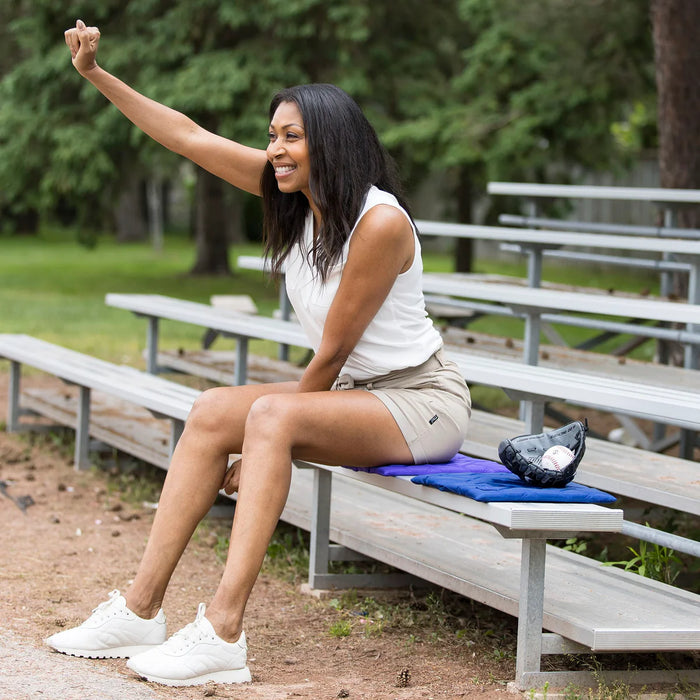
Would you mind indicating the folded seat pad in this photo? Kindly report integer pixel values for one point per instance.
(509, 487)
(459, 464)
(485, 480)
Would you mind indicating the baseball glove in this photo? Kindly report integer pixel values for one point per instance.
(523, 454)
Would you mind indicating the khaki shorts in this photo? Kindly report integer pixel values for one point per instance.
(430, 403)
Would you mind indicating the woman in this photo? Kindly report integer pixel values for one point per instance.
(377, 391)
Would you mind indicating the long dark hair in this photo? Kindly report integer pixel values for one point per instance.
(346, 159)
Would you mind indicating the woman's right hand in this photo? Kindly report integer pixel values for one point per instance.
(232, 478)
(82, 42)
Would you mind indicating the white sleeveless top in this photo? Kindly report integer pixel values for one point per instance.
(399, 336)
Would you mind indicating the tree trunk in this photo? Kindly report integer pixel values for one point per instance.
(233, 201)
(156, 211)
(210, 226)
(677, 60)
(130, 211)
(464, 250)
(25, 223)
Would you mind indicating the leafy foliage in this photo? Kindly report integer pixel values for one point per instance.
(537, 88)
(652, 561)
(503, 90)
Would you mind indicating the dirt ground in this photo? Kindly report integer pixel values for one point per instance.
(82, 537)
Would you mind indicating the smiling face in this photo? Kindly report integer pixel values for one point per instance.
(288, 149)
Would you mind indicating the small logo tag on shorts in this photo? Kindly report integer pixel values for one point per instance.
(433, 419)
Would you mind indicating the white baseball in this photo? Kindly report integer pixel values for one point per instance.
(557, 457)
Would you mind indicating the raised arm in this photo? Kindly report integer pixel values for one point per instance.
(240, 165)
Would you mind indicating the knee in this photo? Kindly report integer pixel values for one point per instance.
(269, 417)
(208, 411)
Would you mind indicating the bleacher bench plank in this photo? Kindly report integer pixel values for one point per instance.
(565, 591)
(677, 407)
(574, 360)
(595, 364)
(161, 397)
(78, 368)
(674, 406)
(119, 424)
(220, 366)
(541, 237)
(665, 195)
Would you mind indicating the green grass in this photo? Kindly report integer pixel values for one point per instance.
(53, 288)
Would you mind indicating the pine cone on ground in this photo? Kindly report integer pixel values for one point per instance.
(403, 678)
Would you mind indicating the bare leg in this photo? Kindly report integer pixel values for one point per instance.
(350, 427)
(213, 430)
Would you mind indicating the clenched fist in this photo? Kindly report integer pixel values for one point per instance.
(82, 42)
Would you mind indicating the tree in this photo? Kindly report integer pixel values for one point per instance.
(677, 60)
(535, 91)
(59, 144)
(478, 89)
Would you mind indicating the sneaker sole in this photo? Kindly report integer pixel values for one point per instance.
(116, 653)
(239, 675)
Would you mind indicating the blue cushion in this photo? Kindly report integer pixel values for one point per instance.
(459, 464)
(509, 487)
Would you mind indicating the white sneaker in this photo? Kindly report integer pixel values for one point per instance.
(193, 656)
(111, 632)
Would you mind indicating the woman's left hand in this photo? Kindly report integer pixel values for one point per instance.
(232, 478)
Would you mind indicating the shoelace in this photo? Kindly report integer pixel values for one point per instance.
(103, 610)
(190, 634)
